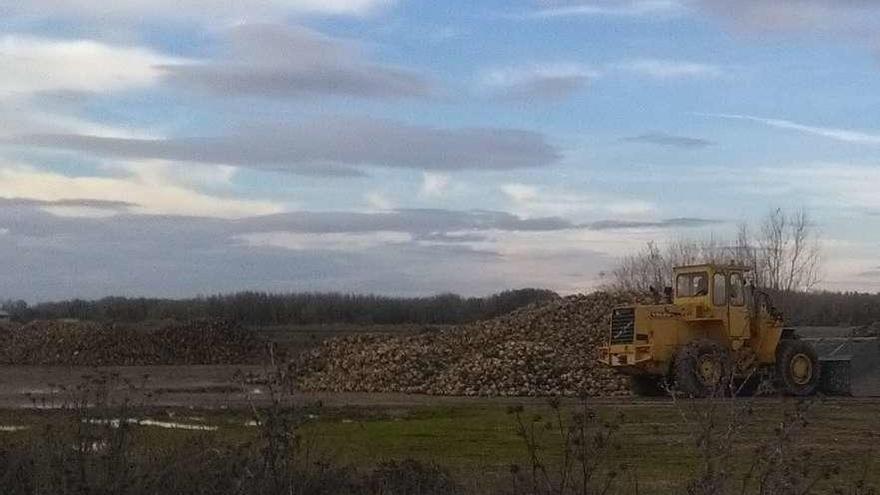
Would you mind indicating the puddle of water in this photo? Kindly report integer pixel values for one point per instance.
(176, 426)
(96, 446)
(13, 428)
(39, 391)
(150, 422)
(252, 423)
(39, 405)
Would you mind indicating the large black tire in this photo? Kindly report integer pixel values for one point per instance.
(646, 386)
(702, 368)
(797, 367)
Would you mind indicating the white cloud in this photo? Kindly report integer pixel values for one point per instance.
(531, 201)
(671, 69)
(145, 186)
(45, 84)
(332, 147)
(614, 8)
(278, 60)
(377, 201)
(520, 193)
(843, 135)
(32, 65)
(326, 242)
(434, 185)
(204, 10)
(193, 175)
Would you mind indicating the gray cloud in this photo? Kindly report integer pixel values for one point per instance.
(175, 256)
(281, 61)
(178, 10)
(23, 218)
(794, 15)
(58, 257)
(547, 86)
(872, 273)
(413, 221)
(671, 140)
(329, 146)
(76, 203)
(661, 224)
(443, 237)
(852, 21)
(538, 82)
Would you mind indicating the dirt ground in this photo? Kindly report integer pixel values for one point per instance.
(218, 387)
(202, 387)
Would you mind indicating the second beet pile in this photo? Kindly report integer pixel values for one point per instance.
(75, 343)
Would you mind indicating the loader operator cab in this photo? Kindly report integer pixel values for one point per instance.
(710, 285)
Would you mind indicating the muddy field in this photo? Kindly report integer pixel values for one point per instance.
(222, 387)
(200, 387)
(473, 437)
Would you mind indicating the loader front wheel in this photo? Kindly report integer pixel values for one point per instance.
(702, 369)
(797, 367)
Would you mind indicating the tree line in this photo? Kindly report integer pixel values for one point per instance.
(829, 308)
(258, 308)
(262, 308)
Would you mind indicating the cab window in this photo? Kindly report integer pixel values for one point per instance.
(737, 290)
(692, 284)
(719, 289)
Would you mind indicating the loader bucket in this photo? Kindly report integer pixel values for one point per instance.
(835, 376)
(849, 365)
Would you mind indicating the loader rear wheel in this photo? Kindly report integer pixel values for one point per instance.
(646, 386)
(797, 367)
(702, 369)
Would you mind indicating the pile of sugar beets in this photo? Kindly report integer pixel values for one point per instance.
(57, 342)
(544, 349)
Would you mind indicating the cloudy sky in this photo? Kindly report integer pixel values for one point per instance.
(175, 148)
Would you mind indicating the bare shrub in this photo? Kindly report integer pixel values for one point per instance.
(410, 477)
(586, 444)
(783, 253)
(781, 465)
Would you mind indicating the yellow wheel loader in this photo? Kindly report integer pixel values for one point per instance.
(711, 331)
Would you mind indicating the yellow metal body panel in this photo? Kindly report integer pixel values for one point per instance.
(660, 330)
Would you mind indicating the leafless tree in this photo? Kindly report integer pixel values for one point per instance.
(787, 254)
(640, 271)
(784, 255)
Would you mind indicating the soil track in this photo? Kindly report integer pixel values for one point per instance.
(215, 387)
